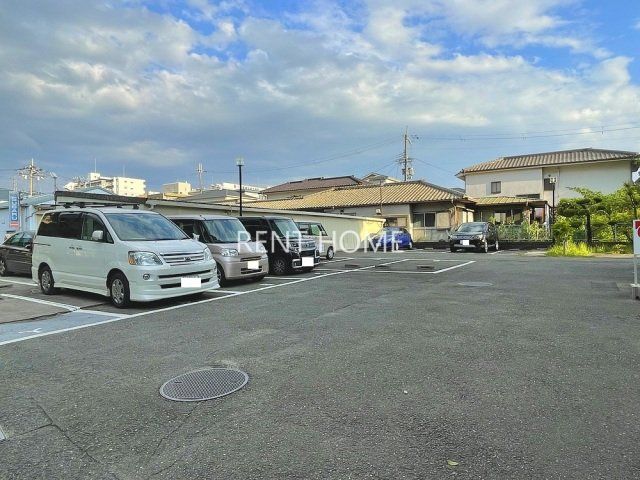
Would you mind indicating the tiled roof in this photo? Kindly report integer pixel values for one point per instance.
(486, 201)
(312, 183)
(392, 193)
(563, 157)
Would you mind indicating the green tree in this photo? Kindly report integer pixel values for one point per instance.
(585, 207)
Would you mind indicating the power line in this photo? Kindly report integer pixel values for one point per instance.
(524, 136)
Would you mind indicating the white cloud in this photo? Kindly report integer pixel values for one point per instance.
(124, 84)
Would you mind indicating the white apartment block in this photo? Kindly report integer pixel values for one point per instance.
(125, 186)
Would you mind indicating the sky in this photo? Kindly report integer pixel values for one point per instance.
(305, 89)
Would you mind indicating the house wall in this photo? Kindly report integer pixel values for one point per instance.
(514, 182)
(604, 177)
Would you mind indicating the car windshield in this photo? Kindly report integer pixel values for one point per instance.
(228, 230)
(285, 227)
(144, 226)
(471, 228)
(388, 231)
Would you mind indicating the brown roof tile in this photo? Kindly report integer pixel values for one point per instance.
(364, 195)
(549, 158)
(313, 183)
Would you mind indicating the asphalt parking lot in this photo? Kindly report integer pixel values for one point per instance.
(390, 365)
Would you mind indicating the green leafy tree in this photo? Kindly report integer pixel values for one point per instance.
(585, 207)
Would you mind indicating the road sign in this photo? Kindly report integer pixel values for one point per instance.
(14, 211)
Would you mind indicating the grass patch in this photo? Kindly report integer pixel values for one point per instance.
(570, 249)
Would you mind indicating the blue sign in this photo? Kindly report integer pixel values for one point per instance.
(14, 211)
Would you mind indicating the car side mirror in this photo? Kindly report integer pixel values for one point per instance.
(29, 246)
(97, 235)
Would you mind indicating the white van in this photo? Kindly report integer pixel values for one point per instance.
(125, 254)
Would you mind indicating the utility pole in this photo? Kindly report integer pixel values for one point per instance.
(31, 172)
(200, 171)
(405, 160)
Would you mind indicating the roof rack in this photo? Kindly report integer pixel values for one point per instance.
(84, 204)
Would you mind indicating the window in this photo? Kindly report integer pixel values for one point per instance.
(424, 220)
(90, 224)
(144, 227)
(529, 195)
(70, 225)
(316, 230)
(49, 225)
(15, 240)
(496, 187)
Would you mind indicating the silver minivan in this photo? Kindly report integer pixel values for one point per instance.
(236, 255)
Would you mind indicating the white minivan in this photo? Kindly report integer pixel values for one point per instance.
(123, 253)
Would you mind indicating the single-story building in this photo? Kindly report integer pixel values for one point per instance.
(428, 211)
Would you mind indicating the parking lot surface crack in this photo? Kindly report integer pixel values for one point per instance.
(169, 434)
(64, 433)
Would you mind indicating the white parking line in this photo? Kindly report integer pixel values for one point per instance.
(100, 312)
(71, 308)
(18, 282)
(268, 284)
(455, 266)
(208, 300)
(282, 278)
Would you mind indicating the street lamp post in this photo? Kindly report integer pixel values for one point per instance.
(552, 220)
(240, 164)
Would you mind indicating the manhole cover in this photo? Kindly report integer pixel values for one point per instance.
(204, 384)
(475, 284)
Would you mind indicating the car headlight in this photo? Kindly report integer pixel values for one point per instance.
(144, 258)
(207, 255)
(260, 248)
(229, 252)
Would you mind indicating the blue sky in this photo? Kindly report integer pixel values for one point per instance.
(307, 89)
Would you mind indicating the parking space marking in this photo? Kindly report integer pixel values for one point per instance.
(267, 284)
(18, 282)
(100, 312)
(208, 300)
(453, 267)
(71, 308)
(282, 278)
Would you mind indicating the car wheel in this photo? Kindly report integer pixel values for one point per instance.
(47, 283)
(3, 267)
(410, 246)
(485, 246)
(222, 279)
(453, 250)
(497, 246)
(279, 266)
(330, 253)
(119, 290)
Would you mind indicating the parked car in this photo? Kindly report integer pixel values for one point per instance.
(324, 243)
(392, 238)
(15, 253)
(474, 236)
(236, 256)
(125, 254)
(287, 248)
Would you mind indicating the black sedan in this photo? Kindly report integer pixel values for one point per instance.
(15, 253)
(478, 236)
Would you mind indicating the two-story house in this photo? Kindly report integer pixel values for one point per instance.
(541, 179)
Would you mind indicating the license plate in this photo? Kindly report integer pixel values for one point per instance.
(190, 282)
(307, 261)
(464, 242)
(253, 265)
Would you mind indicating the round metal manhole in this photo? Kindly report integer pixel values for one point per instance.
(204, 384)
(475, 284)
